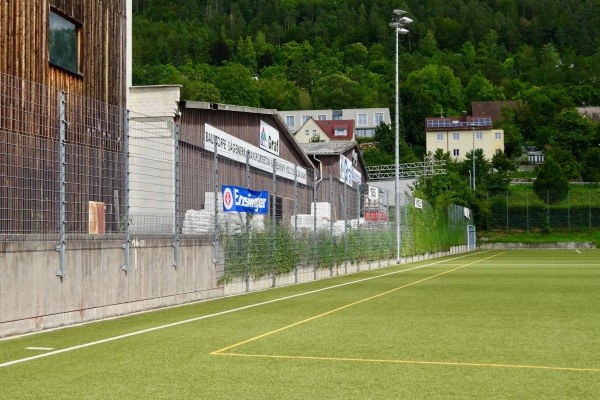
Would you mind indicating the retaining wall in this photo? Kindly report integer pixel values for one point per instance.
(33, 297)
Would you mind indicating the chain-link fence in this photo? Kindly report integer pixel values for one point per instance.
(565, 210)
(77, 169)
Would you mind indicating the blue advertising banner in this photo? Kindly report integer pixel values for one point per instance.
(238, 199)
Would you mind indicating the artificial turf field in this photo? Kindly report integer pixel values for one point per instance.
(513, 324)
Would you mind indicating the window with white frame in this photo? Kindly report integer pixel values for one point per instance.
(378, 118)
(456, 153)
(440, 137)
(290, 121)
(361, 119)
(497, 151)
(498, 135)
(305, 118)
(64, 43)
(306, 132)
(340, 132)
(456, 135)
(321, 117)
(479, 135)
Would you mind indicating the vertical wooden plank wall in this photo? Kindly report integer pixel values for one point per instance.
(29, 88)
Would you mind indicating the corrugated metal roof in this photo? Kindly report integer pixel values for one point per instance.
(334, 147)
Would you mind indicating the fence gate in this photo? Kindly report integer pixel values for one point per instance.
(471, 237)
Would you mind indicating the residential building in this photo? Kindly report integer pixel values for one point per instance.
(366, 119)
(325, 131)
(460, 135)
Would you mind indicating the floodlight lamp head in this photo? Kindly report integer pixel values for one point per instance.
(405, 20)
(402, 31)
(399, 12)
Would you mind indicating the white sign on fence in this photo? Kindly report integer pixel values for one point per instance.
(235, 149)
(418, 203)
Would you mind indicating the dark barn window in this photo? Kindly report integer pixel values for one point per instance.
(64, 43)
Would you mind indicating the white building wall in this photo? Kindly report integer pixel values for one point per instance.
(152, 158)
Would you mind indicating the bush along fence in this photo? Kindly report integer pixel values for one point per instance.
(255, 254)
(571, 210)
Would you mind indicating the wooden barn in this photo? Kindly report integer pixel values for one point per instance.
(238, 132)
(62, 99)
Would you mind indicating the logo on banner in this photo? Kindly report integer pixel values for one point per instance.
(418, 203)
(269, 138)
(238, 199)
(227, 199)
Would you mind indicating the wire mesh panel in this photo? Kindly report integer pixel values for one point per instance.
(152, 170)
(574, 209)
(94, 158)
(29, 160)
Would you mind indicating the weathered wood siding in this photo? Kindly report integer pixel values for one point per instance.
(102, 64)
(30, 115)
(197, 163)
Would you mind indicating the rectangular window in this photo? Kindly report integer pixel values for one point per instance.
(361, 119)
(456, 135)
(340, 132)
(497, 151)
(479, 135)
(64, 43)
(305, 118)
(321, 117)
(498, 135)
(440, 137)
(378, 118)
(306, 132)
(290, 121)
(456, 153)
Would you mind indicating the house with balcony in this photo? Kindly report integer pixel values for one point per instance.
(461, 135)
(366, 120)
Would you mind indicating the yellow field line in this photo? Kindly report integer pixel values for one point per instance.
(347, 306)
(367, 360)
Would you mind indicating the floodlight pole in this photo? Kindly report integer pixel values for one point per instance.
(473, 153)
(398, 24)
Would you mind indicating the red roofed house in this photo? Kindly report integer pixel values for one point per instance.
(325, 131)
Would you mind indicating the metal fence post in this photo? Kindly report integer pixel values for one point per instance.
(331, 220)
(506, 193)
(527, 208)
(273, 218)
(177, 198)
(63, 187)
(216, 206)
(315, 248)
(296, 220)
(248, 225)
(127, 217)
(569, 210)
(345, 211)
(358, 237)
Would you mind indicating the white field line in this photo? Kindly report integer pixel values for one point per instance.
(40, 348)
(156, 328)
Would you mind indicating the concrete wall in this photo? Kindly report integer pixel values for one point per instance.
(33, 298)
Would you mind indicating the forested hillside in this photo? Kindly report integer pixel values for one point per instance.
(301, 54)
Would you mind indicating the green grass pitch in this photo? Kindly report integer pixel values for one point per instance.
(514, 324)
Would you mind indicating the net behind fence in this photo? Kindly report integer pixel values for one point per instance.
(569, 210)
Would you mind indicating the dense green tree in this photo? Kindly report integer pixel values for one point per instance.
(551, 184)
(440, 84)
(591, 165)
(237, 85)
(336, 92)
(573, 132)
